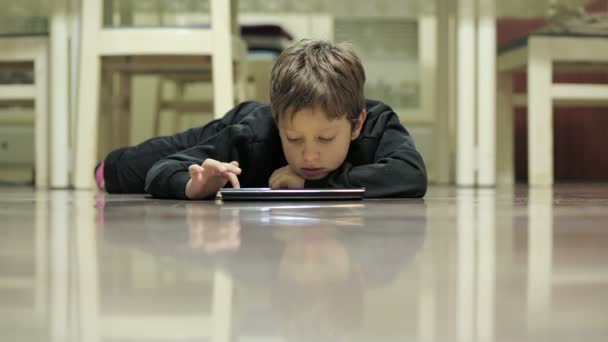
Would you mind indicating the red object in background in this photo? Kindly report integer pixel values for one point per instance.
(579, 134)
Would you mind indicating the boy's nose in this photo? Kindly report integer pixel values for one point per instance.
(310, 154)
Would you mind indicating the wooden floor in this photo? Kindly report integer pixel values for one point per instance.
(522, 264)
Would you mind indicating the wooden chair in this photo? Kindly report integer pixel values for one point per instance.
(218, 42)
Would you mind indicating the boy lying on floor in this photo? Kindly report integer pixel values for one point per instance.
(318, 132)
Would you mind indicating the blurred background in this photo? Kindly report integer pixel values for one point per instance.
(144, 94)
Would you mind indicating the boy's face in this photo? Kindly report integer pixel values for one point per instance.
(315, 145)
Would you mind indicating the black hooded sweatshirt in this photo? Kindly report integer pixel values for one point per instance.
(383, 159)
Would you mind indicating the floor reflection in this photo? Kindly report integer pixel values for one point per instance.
(315, 262)
(522, 264)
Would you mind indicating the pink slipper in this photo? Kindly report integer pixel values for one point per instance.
(99, 179)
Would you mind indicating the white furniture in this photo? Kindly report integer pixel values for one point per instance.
(97, 41)
(465, 93)
(31, 49)
(191, 73)
(60, 92)
(540, 56)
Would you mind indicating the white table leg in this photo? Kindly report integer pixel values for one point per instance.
(222, 67)
(444, 103)
(486, 93)
(465, 94)
(85, 145)
(59, 93)
(41, 120)
(540, 114)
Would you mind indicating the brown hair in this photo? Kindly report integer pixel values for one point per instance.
(318, 74)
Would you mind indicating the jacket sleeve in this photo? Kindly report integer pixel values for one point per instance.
(168, 177)
(397, 169)
(126, 168)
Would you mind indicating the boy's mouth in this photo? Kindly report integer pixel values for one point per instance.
(312, 172)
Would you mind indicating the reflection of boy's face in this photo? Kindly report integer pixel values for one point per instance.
(315, 145)
(319, 291)
(311, 261)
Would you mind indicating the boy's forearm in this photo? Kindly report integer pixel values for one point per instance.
(192, 194)
(167, 181)
(388, 177)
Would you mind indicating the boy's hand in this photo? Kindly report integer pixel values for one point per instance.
(285, 178)
(208, 178)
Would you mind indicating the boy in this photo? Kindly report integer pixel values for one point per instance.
(319, 131)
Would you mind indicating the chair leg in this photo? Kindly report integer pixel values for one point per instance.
(486, 93)
(504, 130)
(85, 144)
(540, 115)
(124, 118)
(241, 81)
(106, 115)
(466, 154)
(159, 105)
(41, 122)
(180, 91)
(222, 69)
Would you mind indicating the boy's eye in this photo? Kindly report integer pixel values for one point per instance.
(325, 140)
(293, 140)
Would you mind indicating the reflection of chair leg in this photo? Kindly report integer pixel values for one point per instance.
(59, 266)
(42, 255)
(427, 289)
(505, 244)
(540, 254)
(222, 306)
(86, 268)
(466, 266)
(486, 264)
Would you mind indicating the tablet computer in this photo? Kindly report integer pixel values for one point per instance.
(267, 194)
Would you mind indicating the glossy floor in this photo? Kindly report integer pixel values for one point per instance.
(463, 265)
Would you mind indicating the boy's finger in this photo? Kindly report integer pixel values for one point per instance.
(235, 163)
(214, 166)
(232, 168)
(194, 168)
(276, 182)
(234, 180)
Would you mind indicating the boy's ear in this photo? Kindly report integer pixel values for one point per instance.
(358, 125)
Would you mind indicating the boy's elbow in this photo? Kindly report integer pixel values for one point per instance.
(420, 184)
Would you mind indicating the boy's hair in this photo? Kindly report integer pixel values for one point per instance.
(318, 74)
